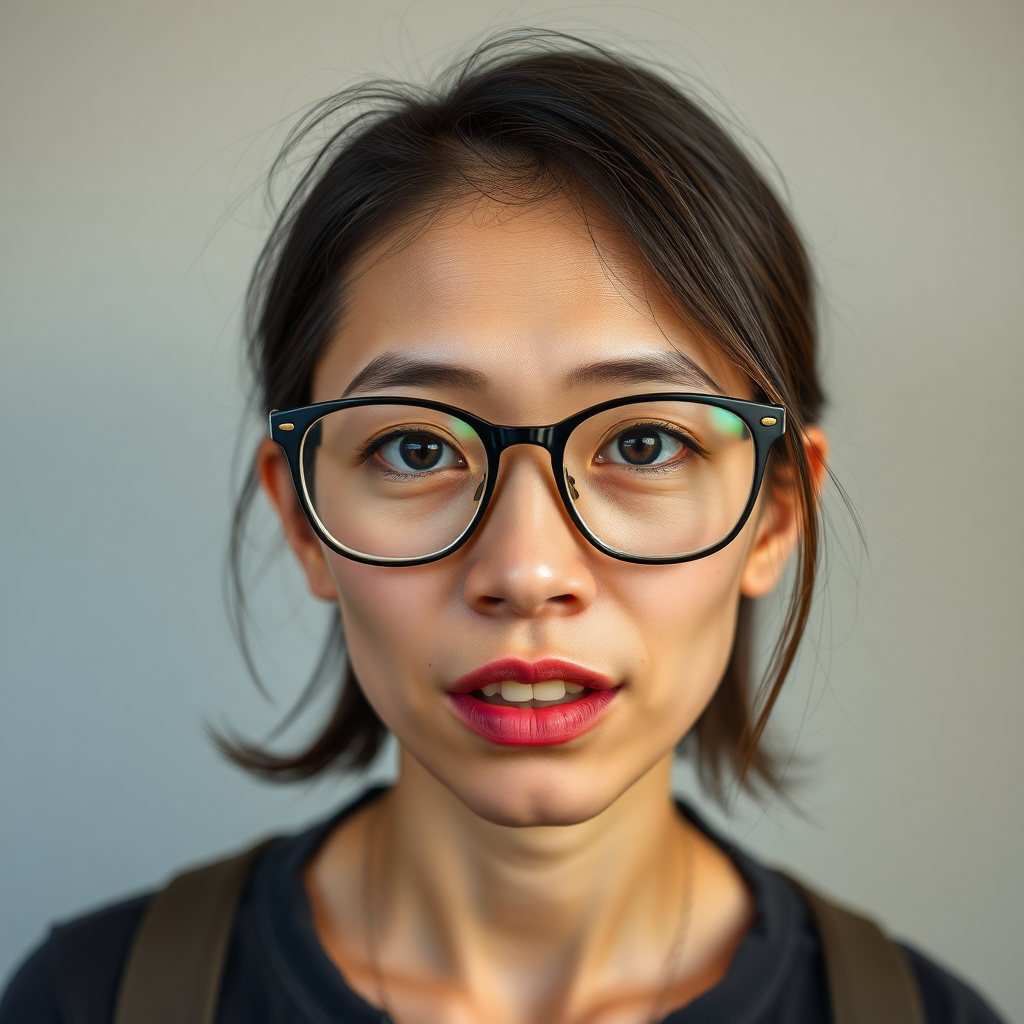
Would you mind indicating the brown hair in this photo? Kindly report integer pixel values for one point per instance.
(708, 226)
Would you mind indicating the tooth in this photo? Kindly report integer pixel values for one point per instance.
(574, 688)
(553, 689)
(490, 689)
(516, 692)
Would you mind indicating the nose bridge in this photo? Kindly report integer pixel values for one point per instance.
(525, 559)
(515, 470)
(539, 437)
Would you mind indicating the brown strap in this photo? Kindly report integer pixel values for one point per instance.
(869, 979)
(175, 965)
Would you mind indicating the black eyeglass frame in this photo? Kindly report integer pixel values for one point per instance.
(766, 423)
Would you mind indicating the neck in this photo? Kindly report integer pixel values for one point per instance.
(527, 890)
(537, 918)
(575, 922)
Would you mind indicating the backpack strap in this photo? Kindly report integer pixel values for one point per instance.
(869, 978)
(175, 965)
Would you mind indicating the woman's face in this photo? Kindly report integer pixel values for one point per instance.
(524, 320)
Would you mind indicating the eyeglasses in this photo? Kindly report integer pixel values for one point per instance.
(656, 478)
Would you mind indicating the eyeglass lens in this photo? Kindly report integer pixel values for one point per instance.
(653, 479)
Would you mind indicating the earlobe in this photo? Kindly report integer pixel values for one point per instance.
(276, 482)
(778, 527)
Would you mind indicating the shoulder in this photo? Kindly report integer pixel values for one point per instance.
(73, 976)
(947, 999)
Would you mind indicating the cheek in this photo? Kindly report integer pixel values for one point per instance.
(685, 618)
(391, 619)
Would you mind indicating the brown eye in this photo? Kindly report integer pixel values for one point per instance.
(418, 452)
(642, 446)
(639, 447)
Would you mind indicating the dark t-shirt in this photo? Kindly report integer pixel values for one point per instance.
(278, 973)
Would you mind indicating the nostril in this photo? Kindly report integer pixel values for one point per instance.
(524, 604)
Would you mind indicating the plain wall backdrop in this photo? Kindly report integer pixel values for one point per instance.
(133, 137)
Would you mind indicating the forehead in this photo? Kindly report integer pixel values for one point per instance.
(522, 297)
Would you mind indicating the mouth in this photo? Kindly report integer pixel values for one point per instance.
(512, 702)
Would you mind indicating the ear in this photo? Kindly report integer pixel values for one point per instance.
(778, 523)
(276, 480)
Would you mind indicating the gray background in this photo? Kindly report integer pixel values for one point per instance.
(133, 137)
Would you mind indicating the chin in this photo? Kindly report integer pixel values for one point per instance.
(533, 795)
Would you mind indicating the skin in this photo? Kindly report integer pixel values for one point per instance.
(529, 884)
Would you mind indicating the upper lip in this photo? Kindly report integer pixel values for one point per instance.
(522, 671)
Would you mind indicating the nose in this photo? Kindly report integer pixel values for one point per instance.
(527, 557)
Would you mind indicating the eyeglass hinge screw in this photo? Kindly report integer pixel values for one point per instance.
(768, 421)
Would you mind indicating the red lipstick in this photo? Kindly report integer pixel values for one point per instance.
(532, 726)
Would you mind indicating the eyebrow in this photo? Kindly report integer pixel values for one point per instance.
(395, 370)
(673, 367)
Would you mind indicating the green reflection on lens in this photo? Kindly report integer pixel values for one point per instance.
(463, 431)
(727, 423)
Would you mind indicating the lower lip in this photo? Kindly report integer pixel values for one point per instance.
(532, 727)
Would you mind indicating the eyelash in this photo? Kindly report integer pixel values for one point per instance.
(375, 444)
(673, 431)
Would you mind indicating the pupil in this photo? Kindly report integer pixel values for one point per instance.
(420, 451)
(639, 447)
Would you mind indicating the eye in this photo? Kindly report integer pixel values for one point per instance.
(643, 445)
(418, 452)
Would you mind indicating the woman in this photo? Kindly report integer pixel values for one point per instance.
(538, 351)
